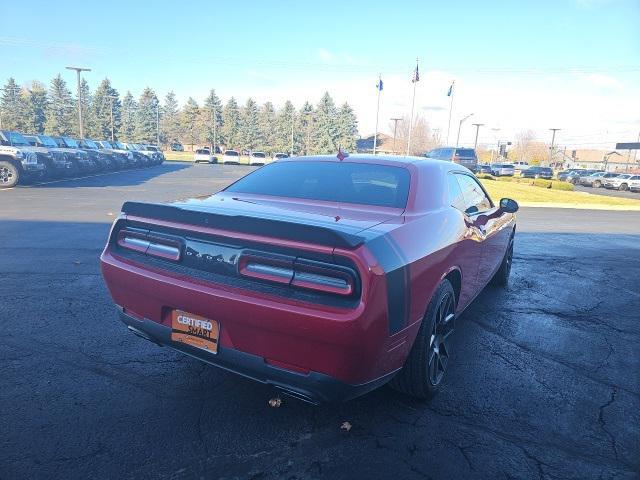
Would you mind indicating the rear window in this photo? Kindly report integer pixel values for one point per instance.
(231, 153)
(466, 153)
(202, 152)
(344, 182)
(281, 155)
(259, 155)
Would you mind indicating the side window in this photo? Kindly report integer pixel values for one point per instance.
(475, 200)
(456, 198)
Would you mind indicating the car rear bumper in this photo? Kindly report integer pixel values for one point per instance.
(312, 387)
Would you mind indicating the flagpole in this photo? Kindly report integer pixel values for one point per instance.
(375, 136)
(450, 109)
(413, 102)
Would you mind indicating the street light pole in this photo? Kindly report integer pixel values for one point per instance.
(395, 129)
(158, 124)
(78, 71)
(460, 126)
(111, 99)
(477, 125)
(553, 139)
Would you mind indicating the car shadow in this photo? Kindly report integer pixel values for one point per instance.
(120, 178)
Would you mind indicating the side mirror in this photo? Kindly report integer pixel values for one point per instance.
(509, 206)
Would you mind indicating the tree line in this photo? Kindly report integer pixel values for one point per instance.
(53, 110)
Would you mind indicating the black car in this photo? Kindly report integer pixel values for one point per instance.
(484, 168)
(565, 174)
(537, 172)
(56, 159)
(114, 160)
(81, 161)
(463, 156)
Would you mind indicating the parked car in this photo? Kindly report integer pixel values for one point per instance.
(204, 155)
(80, 159)
(520, 166)
(537, 172)
(154, 151)
(55, 158)
(596, 180)
(125, 159)
(231, 156)
(116, 161)
(621, 182)
(257, 158)
(103, 161)
(278, 156)
(18, 160)
(463, 156)
(634, 183)
(574, 177)
(484, 168)
(177, 147)
(303, 273)
(132, 160)
(563, 175)
(502, 169)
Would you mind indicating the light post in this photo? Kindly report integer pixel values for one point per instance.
(553, 139)
(460, 127)
(78, 71)
(477, 125)
(111, 99)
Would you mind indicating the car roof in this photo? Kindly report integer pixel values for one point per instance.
(401, 160)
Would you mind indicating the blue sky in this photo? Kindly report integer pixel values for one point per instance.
(568, 63)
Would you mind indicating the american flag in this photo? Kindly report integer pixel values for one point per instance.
(416, 75)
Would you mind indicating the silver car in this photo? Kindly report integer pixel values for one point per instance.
(502, 169)
(618, 182)
(596, 180)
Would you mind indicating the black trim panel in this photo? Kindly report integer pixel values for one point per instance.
(307, 233)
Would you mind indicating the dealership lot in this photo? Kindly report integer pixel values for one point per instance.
(544, 382)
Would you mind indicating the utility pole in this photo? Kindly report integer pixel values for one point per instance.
(395, 129)
(416, 79)
(78, 70)
(158, 123)
(460, 126)
(477, 125)
(375, 136)
(553, 140)
(636, 151)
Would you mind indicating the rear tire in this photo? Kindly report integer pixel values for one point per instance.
(501, 277)
(597, 184)
(624, 187)
(9, 175)
(426, 365)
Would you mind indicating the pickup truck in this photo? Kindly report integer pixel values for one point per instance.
(18, 160)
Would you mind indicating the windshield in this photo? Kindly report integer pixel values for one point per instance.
(367, 184)
(71, 143)
(151, 148)
(91, 144)
(119, 146)
(47, 141)
(466, 152)
(16, 139)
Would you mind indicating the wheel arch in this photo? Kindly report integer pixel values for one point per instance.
(12, 160)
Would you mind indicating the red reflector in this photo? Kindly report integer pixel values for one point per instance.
(286, 366)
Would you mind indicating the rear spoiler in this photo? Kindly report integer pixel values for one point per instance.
(298, 232)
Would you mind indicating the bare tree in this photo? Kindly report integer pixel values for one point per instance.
(423, 138)
(524, 146)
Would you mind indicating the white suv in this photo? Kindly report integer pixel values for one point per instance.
(502, 169)
(257, 158)
(231, 156)
(203, 155)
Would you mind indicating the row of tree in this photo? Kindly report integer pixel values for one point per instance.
(53, 110)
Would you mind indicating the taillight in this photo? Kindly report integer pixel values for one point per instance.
(150, 244)
(299, 273)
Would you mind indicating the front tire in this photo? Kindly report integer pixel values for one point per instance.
(428, 359)
(9, 175)
(501, 277)
(624, 187)
(597, 184)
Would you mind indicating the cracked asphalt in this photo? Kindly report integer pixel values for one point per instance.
(544, 381)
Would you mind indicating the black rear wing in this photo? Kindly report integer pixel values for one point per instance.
(286, 230)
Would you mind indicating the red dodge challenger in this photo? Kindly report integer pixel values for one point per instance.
(323, 276)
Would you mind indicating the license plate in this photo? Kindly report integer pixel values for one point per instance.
(194, 330)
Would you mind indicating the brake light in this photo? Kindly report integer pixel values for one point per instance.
(299, 273)
(150, 244)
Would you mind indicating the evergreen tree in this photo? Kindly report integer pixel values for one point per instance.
(211, 112)
(283, 127)
(306, 120)
(347, 124)
(60, 109)
(13, 107)
(325, 133)
(170, 124)
(128, 118)
(36, 111)
(190, 122)
(249, 130)
(267, 127)
(146, 117)
(88, 119)
(231, 124)
(101, 111)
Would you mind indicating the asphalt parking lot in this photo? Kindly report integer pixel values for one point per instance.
(607, 192)
(545, 379)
